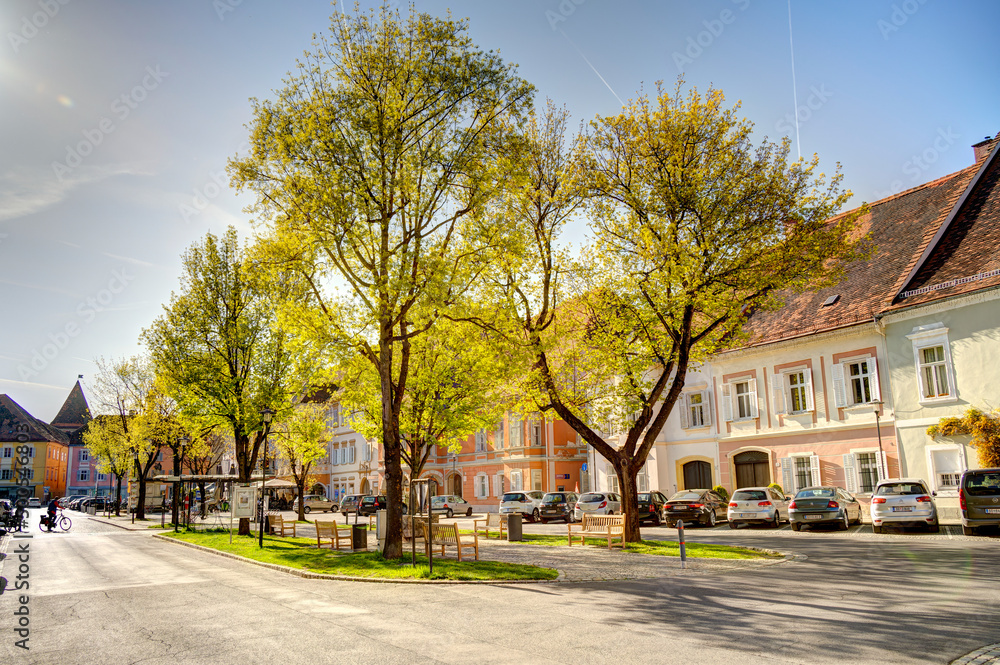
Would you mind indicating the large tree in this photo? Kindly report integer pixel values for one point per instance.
(694, 228)
(301, 439)
(366, 167)
(218, 349)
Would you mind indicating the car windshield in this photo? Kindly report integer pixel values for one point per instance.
(750, 495)
(554, 498)
(513, 496)
(821, 492)
(644, 496)
(591, 497)
(900, 489)
(686, 496)
(438, 499)
(979, 484)
(368, 500)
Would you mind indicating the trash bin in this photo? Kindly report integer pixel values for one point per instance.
(514, 527)
(91, 510)
(359, 537)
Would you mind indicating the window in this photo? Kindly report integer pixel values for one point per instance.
(867, 471)
(84, 455)
(932, 358)
(84, 475)
(101, 477)
(498, 436)
(695, 411)
(642, 479)
(6, 474)
(739, 400)
(516, 432)
(481, 441)
(351, 452)
(945, 464)
(482, 486)
(613, 484)
(948, 481)
(933, 373)
(516, 481)
(333, 417)
(536, 433)
(8, 452)
(798, 471)
(863, 469)
(855, 382)
(793, 392)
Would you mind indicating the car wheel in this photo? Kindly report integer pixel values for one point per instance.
(846, 524)
(468, 513)
(711, 518)
(656, 520)
(968, 530)
(776, 522)
(877, 529)
(733, 525)
(307, 510)
(535, 516)
(449, 513)
(934, 528)
(796, 526)
(344, 514)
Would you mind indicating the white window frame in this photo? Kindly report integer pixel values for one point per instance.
(841, 376)
(101, 477)
(535, 432)
(926, 337)
(730, 400)
(689, 408)
(788, 475)
(613, 485)
(498, 436)
(481, 441)
(516, 481)
(782, 389)
(516, 432)
(481, 487)
(934, 475)
(84, 476)
(852, 469)
(84, 455)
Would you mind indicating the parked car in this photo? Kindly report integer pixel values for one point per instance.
(757, 505)
(450, 504)
(66, 500)
(651, 507)
(75, 503)
(372, 504)
(979, 499)
(597, 503)
(702, 506)
(903, 502)
(528, 503)
(824, 505)
(350, 503)
(34, 502)
(558, 506)
(315, 502)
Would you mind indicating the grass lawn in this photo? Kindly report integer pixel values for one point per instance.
(302, 553)
(662, 548)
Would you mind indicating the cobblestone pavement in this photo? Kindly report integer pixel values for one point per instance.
(988, 655)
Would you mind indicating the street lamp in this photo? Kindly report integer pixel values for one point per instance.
(266, 414)
(135, 460)
(877, 408)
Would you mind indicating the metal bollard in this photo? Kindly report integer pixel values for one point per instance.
(680, 539)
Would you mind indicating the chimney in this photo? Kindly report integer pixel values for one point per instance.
(984, 147)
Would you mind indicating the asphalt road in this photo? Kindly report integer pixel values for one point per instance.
(102, 595)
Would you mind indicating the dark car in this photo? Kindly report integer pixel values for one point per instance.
(651, 507)
(558, 506)
(824, 505)
(372, 504)
(350, 503)
(702, 506)
(979, 499)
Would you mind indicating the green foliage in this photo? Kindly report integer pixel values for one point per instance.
(722, 492)
(661, 548)
(982, 427)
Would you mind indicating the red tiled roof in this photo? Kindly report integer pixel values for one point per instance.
(75, 412)
(19, 426)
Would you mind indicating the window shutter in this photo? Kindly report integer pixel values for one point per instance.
(814, 469)
(873, 368)
(810, 400)
(787, 477)
(754, 410)
(352, 449)
(839, 389)
(727, 402)
(882, 465)
(685, 410)
(850, 473)
(706, 400)
(778, 387)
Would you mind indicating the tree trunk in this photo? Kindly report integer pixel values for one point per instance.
(140, 507)
(393, 548)
(118, 496)
(300, 484)
(174, 510)
(630, 501)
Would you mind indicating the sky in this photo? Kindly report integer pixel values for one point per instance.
(117, 119)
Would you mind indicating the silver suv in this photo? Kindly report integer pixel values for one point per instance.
(315, 502)
(526, 502)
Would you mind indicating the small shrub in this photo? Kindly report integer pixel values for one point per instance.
(777, 487)
(721, 491)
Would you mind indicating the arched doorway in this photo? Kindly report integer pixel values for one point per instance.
(697, 475)
(753, 469)
(455, 484)
(365, 487)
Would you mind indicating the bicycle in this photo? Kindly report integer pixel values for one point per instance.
(60, 522)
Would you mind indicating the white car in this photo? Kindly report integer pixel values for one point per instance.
(527, 502)
(903, 502)
(757, 505)
(597, 503)
(450, 505)
(34, 502)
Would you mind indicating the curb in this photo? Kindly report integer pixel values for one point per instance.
(981, 656)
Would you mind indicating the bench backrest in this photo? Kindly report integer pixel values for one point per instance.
(325, 529)
(445, 534)
(275, 520)
(602, 520)
(493, 519)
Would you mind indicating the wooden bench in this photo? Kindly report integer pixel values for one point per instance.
(446, 535)
(608, 527)
(493, 522)
(334, 533)
(278, 525)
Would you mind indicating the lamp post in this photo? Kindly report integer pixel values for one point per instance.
(135, 460)
(266, 414)
(877, 408)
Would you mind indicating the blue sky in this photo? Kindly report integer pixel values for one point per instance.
(117, 118)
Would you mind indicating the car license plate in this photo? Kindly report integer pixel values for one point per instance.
(748, 514)
(812, 517)
(902, 509)
(678, 507)
(993, 511)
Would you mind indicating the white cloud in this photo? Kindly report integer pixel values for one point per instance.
(25, 191)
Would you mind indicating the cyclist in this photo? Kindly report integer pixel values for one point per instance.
(49, 520)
